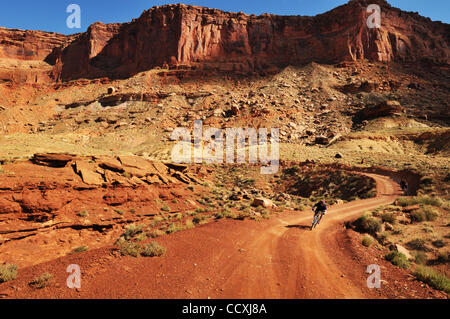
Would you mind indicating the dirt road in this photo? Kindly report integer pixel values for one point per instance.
(276, 258)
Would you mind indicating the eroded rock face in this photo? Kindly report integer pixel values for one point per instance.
(29, 45)
(202, 39)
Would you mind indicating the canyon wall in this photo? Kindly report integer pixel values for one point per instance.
(214, 40)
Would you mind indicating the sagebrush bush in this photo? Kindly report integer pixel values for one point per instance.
(418, 244)
(153, 249)
(433, 278)
(420, 258)
(199, 219)
(173, 228)
(79, 249)
(83, 213)
(423, 200)
(388, 218)
(8, 272)
(367, 224)
(155, 233)
(132, 230)
(42, 281)
(398, 259)
(367, 240)
(128, 248)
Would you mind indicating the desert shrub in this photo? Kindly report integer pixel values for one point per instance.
(153, 249)
(141, 236)
(418, 244)
(422, 200)
(243, 215)
(8, 272)
(79, 249)
(118, 211)
(367, 240)
(173, 228)
(388, 218)
(431, 214)
(42, 281)
(155, 233)
(424, 213)
(418, 216)
(433, 278)
(439, 243)
(156, 221)
(367, 224)
(226, 213)
(83, 213)
(199, 219)
(420, 258)
(189, 224)
(132, 230)
(165, 208)
(398, 259)
(443, 257)
(129, 248)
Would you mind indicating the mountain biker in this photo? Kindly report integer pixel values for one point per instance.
(403, 185)
(320, 209)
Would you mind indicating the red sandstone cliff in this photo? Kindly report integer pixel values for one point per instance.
(212, 39)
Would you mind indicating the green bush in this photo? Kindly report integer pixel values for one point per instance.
(433, 278)
(132, 230)
(42, 281)
(424, 213)
(423, 200)
(155, 233)
(79, 249)
(431, 214)
(367, 224)
(418, 216)
(153, 249)
(165, 208)
(226, 213)
(243, 215)
(420, 258)
(388, 218)
(367, 240)
(443, 257)
(8, 272)
(83, 213)
(200, 219)
(398, 259)
(128, 248)
(173, 228)
(418, 244)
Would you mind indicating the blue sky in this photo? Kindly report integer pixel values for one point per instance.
(50, 15)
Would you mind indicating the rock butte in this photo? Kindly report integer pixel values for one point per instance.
(198, 39)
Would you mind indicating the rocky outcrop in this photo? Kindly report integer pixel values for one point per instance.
(386, 108)
(203, 39)
(28, 44)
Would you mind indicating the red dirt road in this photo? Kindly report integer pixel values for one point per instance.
(276, 258)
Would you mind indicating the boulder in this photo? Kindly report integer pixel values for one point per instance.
(387, 108)
(404, 251)
(88, 172)
(52, 159)
(261, 201)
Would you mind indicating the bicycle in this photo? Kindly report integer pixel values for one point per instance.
(317, 218)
